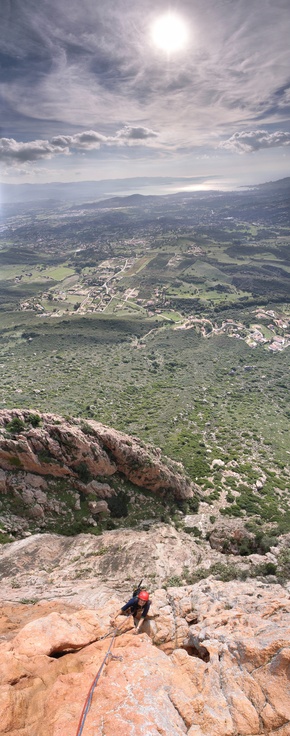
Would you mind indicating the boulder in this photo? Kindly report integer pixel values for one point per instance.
(217, 463)
(99, 507)
(37, 511)
(3, 481)
(102, 490)
(229, 535)
(57, 632)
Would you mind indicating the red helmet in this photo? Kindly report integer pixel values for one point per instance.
(143, 595)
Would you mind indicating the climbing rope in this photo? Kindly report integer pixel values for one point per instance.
(88, 700)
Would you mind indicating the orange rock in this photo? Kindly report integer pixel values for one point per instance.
(57, 633)
(241, 687)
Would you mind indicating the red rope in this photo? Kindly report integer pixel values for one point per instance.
(88, 700)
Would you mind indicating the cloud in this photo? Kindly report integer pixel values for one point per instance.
(16, 152)
(247, 142)
(129, 133)
(84, 64)
(89, 66)
(88, 140)
(13, 151)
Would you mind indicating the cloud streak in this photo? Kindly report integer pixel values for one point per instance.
(12, 151)
(254, 140)
(84, 64)
(72, 69)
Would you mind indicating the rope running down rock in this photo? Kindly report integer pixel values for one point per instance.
(88, 700)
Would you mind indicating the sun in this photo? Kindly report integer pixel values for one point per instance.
(169, 33)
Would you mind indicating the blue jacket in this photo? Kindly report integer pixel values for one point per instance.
(133, 605)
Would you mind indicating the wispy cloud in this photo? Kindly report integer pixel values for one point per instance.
(12, 151)
(247, 142)
(85, 62)
(72, 69)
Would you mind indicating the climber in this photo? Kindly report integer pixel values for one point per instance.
(138, 606)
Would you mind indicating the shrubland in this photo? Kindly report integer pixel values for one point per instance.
(203, 393)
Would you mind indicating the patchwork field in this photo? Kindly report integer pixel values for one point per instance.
(167, 322)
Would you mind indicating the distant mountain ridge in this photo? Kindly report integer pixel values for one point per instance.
(85, 190)
(116, 189)
(279, 184)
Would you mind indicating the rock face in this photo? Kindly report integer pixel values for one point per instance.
(57, 447)
(230, 534)
(213, 658)
(48, 465)
(86, 568)
(225, 673)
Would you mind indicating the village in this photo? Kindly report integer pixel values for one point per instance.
(101, 290)
(257, 334)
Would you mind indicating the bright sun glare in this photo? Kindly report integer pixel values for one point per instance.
(169, 33)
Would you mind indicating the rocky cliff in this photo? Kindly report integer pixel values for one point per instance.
(213, 660)
(85, 569)
(68, 475)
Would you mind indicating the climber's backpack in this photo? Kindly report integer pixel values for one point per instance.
(137, 590)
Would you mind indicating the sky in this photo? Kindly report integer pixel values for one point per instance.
(105, 89)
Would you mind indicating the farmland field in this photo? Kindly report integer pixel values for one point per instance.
(169, 323)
